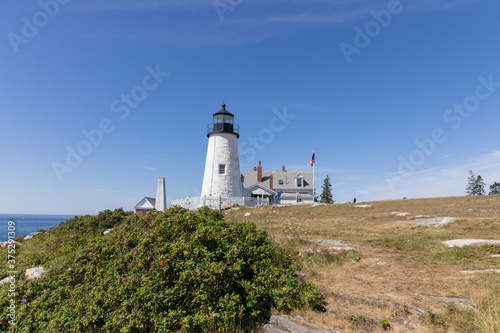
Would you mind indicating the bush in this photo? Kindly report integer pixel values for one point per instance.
(90, 225)
(170, 271)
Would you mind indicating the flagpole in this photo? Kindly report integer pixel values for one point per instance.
(314, 183)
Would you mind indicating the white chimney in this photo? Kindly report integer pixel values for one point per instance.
(161, 197)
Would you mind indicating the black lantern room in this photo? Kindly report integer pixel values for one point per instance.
(223, 123)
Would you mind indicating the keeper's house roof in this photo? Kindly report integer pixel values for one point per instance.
(286, 178)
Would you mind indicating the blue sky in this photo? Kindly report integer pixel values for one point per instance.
(399, 98)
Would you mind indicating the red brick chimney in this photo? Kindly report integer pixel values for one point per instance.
(283, 168)
(259, 173)
(271, 182)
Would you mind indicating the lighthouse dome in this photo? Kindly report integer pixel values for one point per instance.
(223, 122)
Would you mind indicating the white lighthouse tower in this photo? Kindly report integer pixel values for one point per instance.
(222, 167)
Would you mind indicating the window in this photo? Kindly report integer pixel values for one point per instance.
(280, 182)
(299, 182)
(222, 169)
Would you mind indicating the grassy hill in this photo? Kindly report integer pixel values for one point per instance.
(186, 271)
(397, 272)
(172, 271)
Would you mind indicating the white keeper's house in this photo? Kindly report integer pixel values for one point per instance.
(288, 187)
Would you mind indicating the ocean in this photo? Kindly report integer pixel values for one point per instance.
(28, 223)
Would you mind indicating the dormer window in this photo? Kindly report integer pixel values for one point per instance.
(300, 181)
(280, 182)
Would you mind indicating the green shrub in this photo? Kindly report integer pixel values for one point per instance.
(19, 238)
(89, 225)
(385, 324)
(170, 271)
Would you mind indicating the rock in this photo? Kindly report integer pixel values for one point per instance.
(345, 202)
(341, 248)
(382, 263)
(422, 216)
(6, 244)
(281, 324)
(316, 204)
(310, 251)
(33, 234)
(481, 271)
(330, 242)
(400, 214)
(469, 242)
(356, 279)
(301, 274)
(107, 231)
(363, 206)
(333, 243)
(247, 214)
(281, 206)
(6, 280)
(431, 222)
(229, 206)
(32, 273)
(403, 328)
(495, 255)
(461, 302)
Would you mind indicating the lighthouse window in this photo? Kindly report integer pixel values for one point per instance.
(222, 169)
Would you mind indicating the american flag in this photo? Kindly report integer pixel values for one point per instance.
(311, 162)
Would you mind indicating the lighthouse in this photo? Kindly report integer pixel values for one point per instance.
(222, 167)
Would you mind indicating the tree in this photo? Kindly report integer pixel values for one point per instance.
(494, 188)
(475, 185)
(480, 185)
(316, 197)
(326, 195)
(242, 179)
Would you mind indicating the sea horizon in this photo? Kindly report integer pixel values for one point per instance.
(25, 224)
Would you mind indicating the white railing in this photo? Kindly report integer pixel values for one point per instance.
(193, 203)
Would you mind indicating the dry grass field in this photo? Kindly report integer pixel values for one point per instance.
(397, 274)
